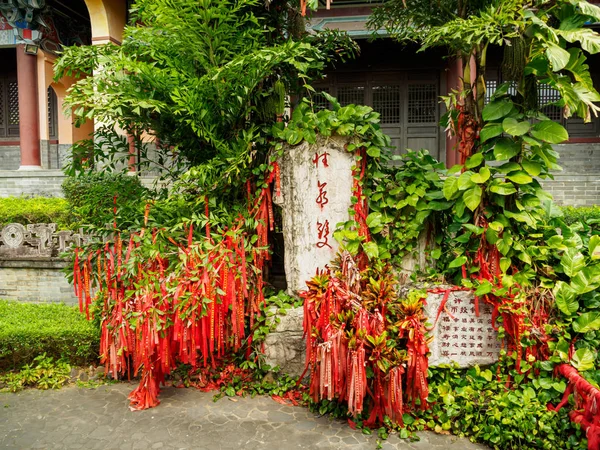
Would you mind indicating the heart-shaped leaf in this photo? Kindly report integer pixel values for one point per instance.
(472, 197)
(489, 131)
(482, 176)
(549, 131)
(474, 160)
(519, 177)
(566, 299)
(514, 127)
(583, 359)
(503, 188)
(505, 149)
(572, 262)
(531, 167)
(589, 321)
(586, 280)
(496, 110)
(450, 187)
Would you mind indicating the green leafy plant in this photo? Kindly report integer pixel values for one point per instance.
(92, 199)
(505, 412)
(43, 373)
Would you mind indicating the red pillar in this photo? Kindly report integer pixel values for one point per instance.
(132, 152)
(453, 81)
(29, 120)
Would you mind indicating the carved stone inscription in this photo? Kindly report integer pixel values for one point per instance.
(316, 193)
(460, 335)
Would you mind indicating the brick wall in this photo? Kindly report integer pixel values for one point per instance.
(43, 183)
(579, 182)
(10, 157)
(35, 281)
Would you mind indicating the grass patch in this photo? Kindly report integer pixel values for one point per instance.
(59, 331)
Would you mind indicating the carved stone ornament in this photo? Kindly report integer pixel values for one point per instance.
(13, 235)
(37, 240)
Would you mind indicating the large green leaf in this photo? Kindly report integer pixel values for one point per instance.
(594, 247)
(589, 321)
(450, 187)
(531, 167)
(514, 127)
(557, 56)
(457, 262)
(572, 262)
(472, 197)
(587, 8)
(474, 160)
(505, 149)
(586, 280)
(509, 167)
(503, 188)
(589, 39)
(371, 249)
(583, 359)
(498, 109)
(519, 177)
(549, 131)
(374, 219)
(565, 297)
(489, 131)
(481, 177)
(464, 181)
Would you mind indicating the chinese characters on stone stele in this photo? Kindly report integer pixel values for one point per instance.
(322, 224)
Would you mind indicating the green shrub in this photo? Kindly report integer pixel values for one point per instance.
(91, 198)
(506, 413)
(35, 210)
(30, 330)
(43, 373)
(573, 214)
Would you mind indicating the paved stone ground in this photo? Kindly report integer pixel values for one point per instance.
(186, 419)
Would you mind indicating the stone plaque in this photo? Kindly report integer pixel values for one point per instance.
(459, 335)
(316, 191)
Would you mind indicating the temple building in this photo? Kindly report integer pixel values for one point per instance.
(35, 133)
(399, 82)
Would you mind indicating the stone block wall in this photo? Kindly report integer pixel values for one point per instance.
(10, 157)
(42, 183)
(579, 182)
(35, 282)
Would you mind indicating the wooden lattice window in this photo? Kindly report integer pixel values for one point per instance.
(52, 114)
(351, 95)
(547, 94)
(387, 102)
(9, 107)
(422, 103)
(319, 100)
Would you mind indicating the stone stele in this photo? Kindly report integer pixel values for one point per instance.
(459, 334)
(316, 191)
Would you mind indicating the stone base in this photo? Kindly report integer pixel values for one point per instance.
(285, 346)
(460, 337)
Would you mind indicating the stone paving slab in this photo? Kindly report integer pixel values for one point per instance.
(73, 417)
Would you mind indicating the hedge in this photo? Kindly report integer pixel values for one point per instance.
(61, 331)
(583, 214)
(35, 210)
